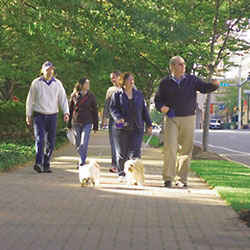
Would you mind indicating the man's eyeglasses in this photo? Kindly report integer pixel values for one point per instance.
(181, 64)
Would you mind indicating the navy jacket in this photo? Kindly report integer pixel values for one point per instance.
(119, 108)
(181, 98)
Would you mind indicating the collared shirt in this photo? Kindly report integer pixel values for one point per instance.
(42, 78)
(178, 81)
(85, 93)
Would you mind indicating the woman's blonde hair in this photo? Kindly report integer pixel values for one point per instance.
(123, 77)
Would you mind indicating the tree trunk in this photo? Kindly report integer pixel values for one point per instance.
(206, 118)
(7, 89)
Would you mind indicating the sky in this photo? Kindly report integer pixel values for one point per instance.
(244, 61)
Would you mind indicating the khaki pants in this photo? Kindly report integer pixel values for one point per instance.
(178, 146)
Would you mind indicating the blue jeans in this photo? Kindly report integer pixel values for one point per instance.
(82, 134)
(45, 132)
(127, 145)
(112, 144)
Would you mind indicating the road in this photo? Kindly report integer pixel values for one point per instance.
(233, 144)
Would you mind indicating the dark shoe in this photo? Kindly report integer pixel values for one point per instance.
(38, 168)
(47, 170)
(181, 184)
(168, 183)
(113, 170)
(79, 165)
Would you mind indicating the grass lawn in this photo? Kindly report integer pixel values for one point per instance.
(231, 180)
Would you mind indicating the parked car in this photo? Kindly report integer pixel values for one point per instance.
(215, 124)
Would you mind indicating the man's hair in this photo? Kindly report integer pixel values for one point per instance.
(116, 72)
(173, 60)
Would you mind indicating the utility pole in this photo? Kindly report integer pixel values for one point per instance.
(239, 101)
(239, 96)
(247, 92)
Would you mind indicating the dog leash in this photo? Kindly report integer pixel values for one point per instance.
(149, 139)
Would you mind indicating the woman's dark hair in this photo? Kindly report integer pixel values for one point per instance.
(79, 84)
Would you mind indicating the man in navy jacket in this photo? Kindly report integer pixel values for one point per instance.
(176, 97)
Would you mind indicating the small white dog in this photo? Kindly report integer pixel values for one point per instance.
(89, 174)
(134, 171)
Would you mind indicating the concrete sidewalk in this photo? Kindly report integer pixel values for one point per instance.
(52, 211)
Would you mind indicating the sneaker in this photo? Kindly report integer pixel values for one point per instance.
(113, 170)
(122, 178)
(181, 184)
(47, 171)
(38, 168)
(168, 183)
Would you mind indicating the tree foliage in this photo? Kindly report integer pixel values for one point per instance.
(93, 37)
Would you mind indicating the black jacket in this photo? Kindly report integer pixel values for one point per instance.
(85, 114)
(181, 98)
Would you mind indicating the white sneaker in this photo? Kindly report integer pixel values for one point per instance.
(181, 184)
(122, 178)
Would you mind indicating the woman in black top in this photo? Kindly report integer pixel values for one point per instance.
(83, 113)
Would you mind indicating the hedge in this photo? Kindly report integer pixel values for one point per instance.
(13, 123)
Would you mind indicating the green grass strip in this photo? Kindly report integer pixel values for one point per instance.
(229, 179)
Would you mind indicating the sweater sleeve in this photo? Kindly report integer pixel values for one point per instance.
(159, 97)
(145, 115)
(106, 112)
(115, 106)
(71, 109)
(204, 87)
(62, 99)
(95, 113)
(30, 99)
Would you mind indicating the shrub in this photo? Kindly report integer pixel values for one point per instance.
(13, 123)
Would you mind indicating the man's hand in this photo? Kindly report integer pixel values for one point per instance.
(29, 120)
(216, 83)
(120, 121)
(66, 117)
(149, 130)
(164, 109)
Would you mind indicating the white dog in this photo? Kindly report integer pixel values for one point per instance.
(134, 171)
(89, 174)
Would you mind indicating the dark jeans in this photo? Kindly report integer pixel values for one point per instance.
(112, 143)
(45, 133)
(127, 145)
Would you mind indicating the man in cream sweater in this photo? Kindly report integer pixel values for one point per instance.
(106, 115)
(45, 93)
